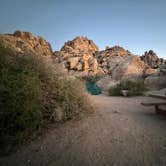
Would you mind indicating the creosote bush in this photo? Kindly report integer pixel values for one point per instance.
(134, 87)
(32, 91)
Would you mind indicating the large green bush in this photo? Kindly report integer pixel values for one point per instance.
(134, 87)
(32, 90)
(115, 90)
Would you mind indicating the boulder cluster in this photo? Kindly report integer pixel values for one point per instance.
(150, 58)
(81, 57)
(78, 57)
(25, 42)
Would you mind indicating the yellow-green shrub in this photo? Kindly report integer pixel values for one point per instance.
(31, 91)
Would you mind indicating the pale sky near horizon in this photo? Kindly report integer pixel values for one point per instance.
(136, 25)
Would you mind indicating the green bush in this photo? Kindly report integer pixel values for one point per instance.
(31, 92)
(115, 90)
(135, 87)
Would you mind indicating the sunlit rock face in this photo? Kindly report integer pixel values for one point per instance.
(121, 64)
(25, 42)
(79, 45)
(82, 57)
(78, 57)
(152, 59)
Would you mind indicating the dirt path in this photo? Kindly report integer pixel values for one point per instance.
(120, 133)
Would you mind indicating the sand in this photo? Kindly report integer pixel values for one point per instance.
(121, 132)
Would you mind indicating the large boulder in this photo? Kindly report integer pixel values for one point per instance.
(122, 64)
(155, 82)
(106, 82)
(131, 67)
(25, 42)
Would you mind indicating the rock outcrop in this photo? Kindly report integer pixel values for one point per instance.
(155, 82)
(81, 57)
(152, 59)
(25, 42)
(78, 56)
(79, 45)
(122, 64)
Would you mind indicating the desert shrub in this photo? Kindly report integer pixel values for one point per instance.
(135, 87)
(31, 92)
(115, 90)
(20, 89)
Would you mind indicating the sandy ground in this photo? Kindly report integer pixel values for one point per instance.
(120, 133)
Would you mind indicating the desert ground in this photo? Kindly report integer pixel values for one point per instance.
(121, 132)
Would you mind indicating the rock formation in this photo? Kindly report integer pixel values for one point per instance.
(81, 57)
(78, 56)
(121, 64)
(25, 42)
(79, 45)
(152, 59)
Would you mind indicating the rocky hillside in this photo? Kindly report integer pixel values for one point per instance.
(120, 63)
(152, 59)
(81, 56)
(78, 56)
(25, 42)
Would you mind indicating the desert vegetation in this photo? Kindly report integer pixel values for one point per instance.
(133, 88)
(34, 93)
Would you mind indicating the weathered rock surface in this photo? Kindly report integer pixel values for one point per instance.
(25, 42)
(106, 82)
(122, 64)
(79, 45)
(81, 57)
(78, 58)
(155, 82)
(152, 59)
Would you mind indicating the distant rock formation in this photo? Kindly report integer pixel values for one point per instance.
(122, 64)
(152, 59)
(81, 56)
(79, 45)
(25, 42)
(77, 56)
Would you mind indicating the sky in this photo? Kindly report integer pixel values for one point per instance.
(136, 25)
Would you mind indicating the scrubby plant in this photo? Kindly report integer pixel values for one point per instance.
(134, 87)
(115, 90)
(31, 92)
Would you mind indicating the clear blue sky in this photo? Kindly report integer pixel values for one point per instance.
(137, 25)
